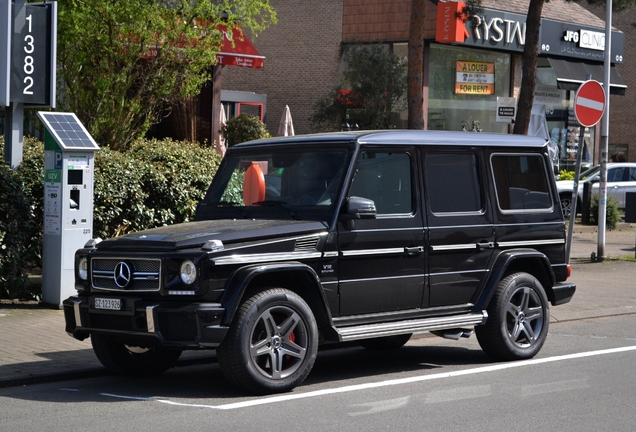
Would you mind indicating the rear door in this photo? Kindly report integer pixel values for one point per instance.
(460, 226)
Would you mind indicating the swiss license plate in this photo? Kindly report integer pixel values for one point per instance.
(107, 303)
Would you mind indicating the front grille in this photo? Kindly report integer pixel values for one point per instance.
(178, 326)
(145, 274)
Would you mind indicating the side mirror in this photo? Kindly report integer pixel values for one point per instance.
(360, 208)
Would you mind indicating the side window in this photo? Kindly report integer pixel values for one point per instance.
(616, 174)
(521, 182)
(386, 179)
(452, 183)
(632, 174)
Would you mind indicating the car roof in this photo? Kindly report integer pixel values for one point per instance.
(406, 137)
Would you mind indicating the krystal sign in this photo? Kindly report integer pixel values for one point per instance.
(507, 31)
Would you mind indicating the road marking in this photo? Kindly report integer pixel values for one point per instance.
(393, 382)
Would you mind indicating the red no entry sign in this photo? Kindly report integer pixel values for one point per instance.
(589, 103)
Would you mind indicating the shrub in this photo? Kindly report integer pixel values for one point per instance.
(159, 182)
(612, 214)
(21, 197)
(243, 128)
(566, 175)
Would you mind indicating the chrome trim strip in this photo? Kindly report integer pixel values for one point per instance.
(530, 243)
(460, 226)
(76, 310)
(417, 228)
(385, 278)
(150, 319)
(411, 326)
(529, 224)
(454, 247)
(361, 252)
(460, 272)
(264, 257)
(330, 254)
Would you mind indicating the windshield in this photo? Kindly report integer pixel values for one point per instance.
(299, 183)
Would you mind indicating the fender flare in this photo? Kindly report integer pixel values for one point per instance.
(502, 263)
(240, 280)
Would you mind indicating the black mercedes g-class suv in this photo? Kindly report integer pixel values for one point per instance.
(308, 240)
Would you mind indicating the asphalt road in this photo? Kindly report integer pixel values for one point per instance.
(583, 380)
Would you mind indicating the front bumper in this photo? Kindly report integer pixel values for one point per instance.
(140, 322)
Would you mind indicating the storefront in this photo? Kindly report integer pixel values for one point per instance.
(474, 72)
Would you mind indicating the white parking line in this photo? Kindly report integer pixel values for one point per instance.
(393, 382)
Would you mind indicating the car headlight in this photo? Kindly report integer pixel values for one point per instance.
(188, 272)
(82, 268)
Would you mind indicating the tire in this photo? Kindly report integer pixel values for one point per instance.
(271, 344)
(385, 343)
(127, 360)
(518, 319)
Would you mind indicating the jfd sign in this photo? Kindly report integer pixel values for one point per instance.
(586, 39)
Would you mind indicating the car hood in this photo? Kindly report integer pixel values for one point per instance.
(195, 234)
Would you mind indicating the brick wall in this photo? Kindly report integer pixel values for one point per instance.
(382, 20)
(622, 127)
(302, 58)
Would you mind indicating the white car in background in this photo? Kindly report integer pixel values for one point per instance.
(621, 178)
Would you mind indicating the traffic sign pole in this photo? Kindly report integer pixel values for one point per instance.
(575, 189)
(589, 105)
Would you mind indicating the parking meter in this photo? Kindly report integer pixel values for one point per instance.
(68, 201)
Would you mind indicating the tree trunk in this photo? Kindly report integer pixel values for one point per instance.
(529, 62)
(416, 62)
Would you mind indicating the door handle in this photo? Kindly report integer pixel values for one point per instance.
(487, 245)
(414, 250)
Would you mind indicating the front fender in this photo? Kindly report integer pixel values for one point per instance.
(311, 289)
(512, 260)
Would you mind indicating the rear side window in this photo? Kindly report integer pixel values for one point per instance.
(452, 183)
(521, 182)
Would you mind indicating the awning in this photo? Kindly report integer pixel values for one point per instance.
(572, 73)
(241, 53)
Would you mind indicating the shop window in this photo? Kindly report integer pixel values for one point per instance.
(447, 108)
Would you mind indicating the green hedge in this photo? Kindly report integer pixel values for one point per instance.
(154, 183)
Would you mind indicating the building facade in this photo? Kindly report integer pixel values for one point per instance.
(304, 51)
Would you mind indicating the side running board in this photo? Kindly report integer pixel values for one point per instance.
(410, 326)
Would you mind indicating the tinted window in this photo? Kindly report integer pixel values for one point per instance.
(385, 178)
(616, 174)
(521, 182)
(291, 178)
(452, 182)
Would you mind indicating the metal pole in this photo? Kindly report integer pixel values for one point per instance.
(575, 190)
(602, 201)
(14, 134)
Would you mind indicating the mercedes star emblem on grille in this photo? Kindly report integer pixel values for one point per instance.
(122, 274)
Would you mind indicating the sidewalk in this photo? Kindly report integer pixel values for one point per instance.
(34, 347)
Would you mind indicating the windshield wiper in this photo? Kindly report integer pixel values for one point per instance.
(243, 214)
(280, 204)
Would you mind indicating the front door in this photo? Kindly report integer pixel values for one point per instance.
(382, 263)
